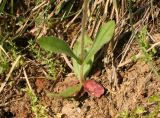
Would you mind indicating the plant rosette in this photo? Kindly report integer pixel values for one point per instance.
(56, 45)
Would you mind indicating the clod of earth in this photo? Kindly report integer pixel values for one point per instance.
(93, 88)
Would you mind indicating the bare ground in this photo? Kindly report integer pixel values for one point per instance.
(133, 84)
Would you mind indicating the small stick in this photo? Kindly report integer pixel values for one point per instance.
(67, 61)
(40, 5)
(4, 51)
(129, 60)
(9, 74)
(25, 75)
(138, 55)
(69, 24)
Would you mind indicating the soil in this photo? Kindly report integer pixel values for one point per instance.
(136, 82)
(139, 83)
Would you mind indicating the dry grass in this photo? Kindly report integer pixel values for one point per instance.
(27, 20)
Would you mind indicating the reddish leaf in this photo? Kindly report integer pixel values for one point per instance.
(93, 88)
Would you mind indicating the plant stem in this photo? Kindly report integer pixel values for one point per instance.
(84, 19)
(12, 7)
(130, 15)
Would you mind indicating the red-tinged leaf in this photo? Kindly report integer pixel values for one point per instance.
(93, 88)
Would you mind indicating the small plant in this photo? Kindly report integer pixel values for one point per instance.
(38, 109)
(144, 46)
(154, 99)
(135, 113)
(142, 112)
(82, 55)
(4, 65)
(53, 66)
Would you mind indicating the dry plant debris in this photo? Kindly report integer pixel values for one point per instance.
(129, 77)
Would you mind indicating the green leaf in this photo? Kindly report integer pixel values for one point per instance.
(69, 92)
(77, 50)
(104, 36)
(154, 98)
(140, 110)
(124, 114)
(2, 5)
(56, 45)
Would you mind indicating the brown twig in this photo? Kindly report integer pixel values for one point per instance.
(9, 74)
(139, 55)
